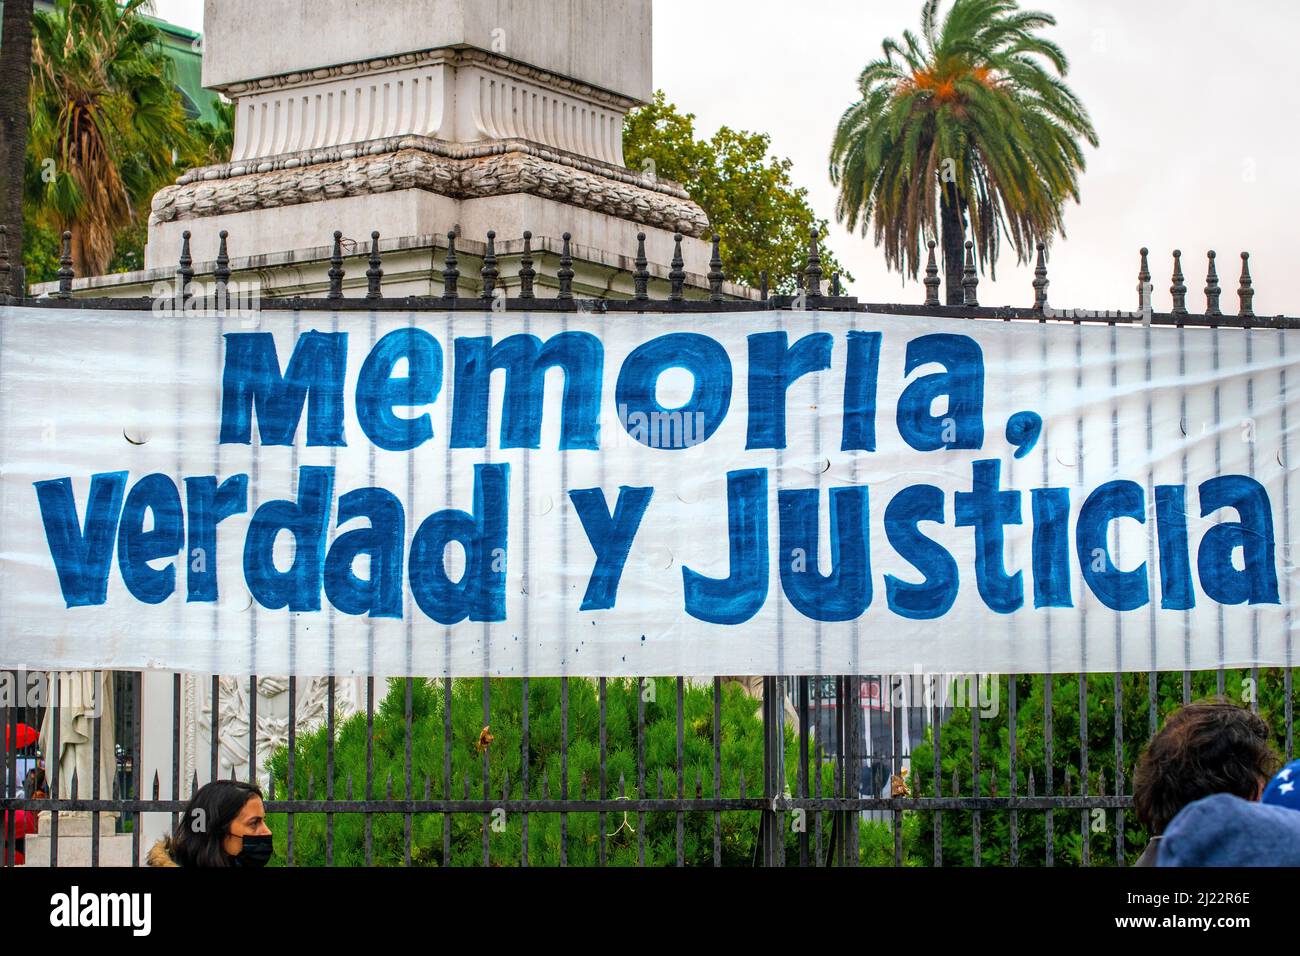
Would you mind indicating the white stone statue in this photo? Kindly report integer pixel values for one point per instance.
(272, 718)
(82, 697)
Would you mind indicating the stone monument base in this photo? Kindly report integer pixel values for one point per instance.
(75, 834)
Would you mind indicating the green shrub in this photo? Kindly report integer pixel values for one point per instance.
(1067, 825)
(742, 752)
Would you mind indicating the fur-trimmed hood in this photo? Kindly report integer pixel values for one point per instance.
(160, 854)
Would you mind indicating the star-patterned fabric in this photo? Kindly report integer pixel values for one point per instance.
(1284, 789)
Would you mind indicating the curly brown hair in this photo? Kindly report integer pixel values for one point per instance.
(1208, 747)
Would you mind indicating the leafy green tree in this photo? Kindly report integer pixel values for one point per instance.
(762, 218)
(1067, 749)
(41, 248)
(971, 117)
(107, 124)
(214, 141)
(498, 746)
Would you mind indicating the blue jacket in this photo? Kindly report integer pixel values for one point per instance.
(1223, 830)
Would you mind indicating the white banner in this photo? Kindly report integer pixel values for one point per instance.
(538, 494)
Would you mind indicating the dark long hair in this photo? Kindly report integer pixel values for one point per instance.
(206, 821)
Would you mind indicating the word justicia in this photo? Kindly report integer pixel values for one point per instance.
(162, 529)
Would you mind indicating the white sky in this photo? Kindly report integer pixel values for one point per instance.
(1196, 103)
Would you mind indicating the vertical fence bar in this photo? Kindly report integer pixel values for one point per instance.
(56, 700)
(782, 683)
(137, 767)
(564, 765)
(293, 752)
(216, 724)
(1049, 829)
(329, 769)
(370, 766)
(804, 684)
(10, 789)
(1085, 832)
(975, 775)
(818, 751)
(1013, 782)
(600, 691)
(447, 780)
(1119, 768)
(717, 769)
(406, 792)
(524, 763)
(938, 772)
(487, 750)
(896, 763)
(176, 746)
(640, 770)
(97, 739)
(681, 783)
(1218, 459)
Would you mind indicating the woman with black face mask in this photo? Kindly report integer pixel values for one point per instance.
(223, 825)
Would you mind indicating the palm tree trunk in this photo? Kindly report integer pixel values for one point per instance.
(954, 242)
(15, 78)
(82, 262)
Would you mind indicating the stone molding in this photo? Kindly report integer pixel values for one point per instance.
(469, 104)
(451, 56)
(459, 171)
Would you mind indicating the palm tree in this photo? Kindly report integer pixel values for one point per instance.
(107, 125)
(973, 118)
(15, 59)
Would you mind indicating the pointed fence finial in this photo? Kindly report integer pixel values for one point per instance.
(1179, 288)
(1040, 280)
(1144, 283)
(932, 281)
(969, 279)
(374, 274)
(185, 270)
(1246, 290)
(641, 277)
(813, 271)
(762, 285)
(716, 277)
(222, 272)
(336, 267)
(526, 271)
(450, 274)
(1212, 290)
(489, 272)
(66, 274)
(835, 284)
(677, 274)
(566, 269)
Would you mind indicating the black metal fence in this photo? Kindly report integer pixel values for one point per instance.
(851, 768)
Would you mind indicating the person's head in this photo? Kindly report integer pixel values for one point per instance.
(216, 825)
(1205, 748)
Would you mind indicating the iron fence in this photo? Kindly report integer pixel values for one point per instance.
(876, 779)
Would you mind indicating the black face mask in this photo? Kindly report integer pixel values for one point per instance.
(256, 851)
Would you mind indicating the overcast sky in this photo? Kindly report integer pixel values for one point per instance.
(1196, 103)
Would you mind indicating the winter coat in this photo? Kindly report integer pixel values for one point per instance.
(160, 854)
(1223, 830)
